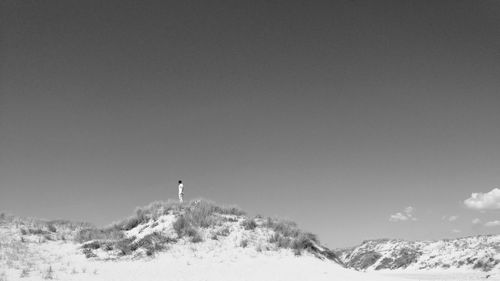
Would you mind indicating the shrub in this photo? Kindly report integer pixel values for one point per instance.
(233, 210)
(51, 227)
(364, 260)
(280, 241)
(126, 246)
(274, 238)
(486, 265)
(244, 243)
(385, 263)
(202, 215)
(405, 257)
(304, 241)
(196, 237)
(88, 253)
(287, 235)
(224, 231)
(142, 215)
(88, 234)
(285, 228)
(130, 223)
(249, 224)
(284, 242)
(183, 227)
(94, 245)
(37, 231)
(152, 211)
(153, 242)
(210, 207)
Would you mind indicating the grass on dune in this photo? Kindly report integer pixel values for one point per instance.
(191, 216)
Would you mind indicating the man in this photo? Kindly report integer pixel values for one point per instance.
(181, 191)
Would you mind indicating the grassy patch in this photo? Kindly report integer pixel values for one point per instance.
(249, 224)
(201, 213)
(154, 242)
(151, 244)
(366, 260)
(89, 234)
(183, 226)
(486, 264)
(244, 243)
(288, 236)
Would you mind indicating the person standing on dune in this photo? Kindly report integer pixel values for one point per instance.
(181, 191)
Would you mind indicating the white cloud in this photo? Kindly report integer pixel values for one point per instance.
(398, 217)
(492, 223)
(484, 201)
(409, 210)
(449, 218)
(476, 221)
(406, 215)
(456, 230)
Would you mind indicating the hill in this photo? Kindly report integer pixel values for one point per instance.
(474, 253)
(198, 240)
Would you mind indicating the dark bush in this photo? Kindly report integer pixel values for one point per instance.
(51, 227)
(486, 265)
(130, 223)
(223, 232)
(304, 241)
(249, 224)
(37, 231)
(285, 228)
(126, 246)
(196, 237)
(364, 260)
(88, 253)
(202, 215)
(90, 234)
(94, 245)
(385, 263)
(183, 227)
(154, 242)
(405, 257)
(281, 241)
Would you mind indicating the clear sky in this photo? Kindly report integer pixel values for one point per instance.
(336, 114)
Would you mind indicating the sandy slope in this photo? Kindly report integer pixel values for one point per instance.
(28, 255)
(199, 262)
(219, 260)
(479, 253)
(188, 263)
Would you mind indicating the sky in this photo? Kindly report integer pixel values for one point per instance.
(356, 119)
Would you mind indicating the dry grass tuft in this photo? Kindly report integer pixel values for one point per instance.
(249, 224)
(288, 236)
